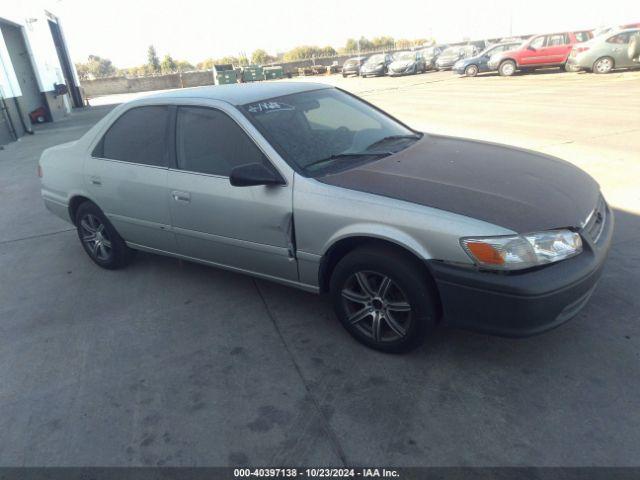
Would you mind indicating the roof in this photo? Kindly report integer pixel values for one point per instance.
(241, 93)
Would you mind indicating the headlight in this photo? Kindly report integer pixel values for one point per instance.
(515, 252)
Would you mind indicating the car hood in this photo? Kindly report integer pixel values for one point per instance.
(514, 188)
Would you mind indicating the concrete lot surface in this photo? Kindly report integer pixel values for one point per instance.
(171, 363)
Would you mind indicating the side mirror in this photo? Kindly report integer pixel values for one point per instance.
(533, 49)
(254, 174)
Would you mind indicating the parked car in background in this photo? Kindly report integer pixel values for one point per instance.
(376, 65)
(548, 50)
(431, 54)
(406, 63)
(604, 53)
(451, 55)
(309, 186)
(471, 66)
(602, 31)
(352, 66)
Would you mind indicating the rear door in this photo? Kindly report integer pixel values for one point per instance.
(126, 176)
(247, 228)
(618, 46)
(557, 48)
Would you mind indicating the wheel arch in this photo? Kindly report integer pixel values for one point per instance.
(75, 201)
(343, 246)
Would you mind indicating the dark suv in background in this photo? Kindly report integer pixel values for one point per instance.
(352, 66)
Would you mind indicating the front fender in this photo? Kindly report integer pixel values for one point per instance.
(380, 232)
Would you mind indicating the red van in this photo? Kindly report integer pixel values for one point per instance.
(548, 50)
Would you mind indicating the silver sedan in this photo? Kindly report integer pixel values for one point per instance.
(312, 187)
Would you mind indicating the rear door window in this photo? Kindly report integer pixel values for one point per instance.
(621, 38)
(138, 136)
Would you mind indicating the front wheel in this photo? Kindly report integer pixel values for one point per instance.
(507, 68)
(100, 239)
(603, 65)
(383, 298)
(471, 71)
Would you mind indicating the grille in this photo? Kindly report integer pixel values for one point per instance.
(596, 220)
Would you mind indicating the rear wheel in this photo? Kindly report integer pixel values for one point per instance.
(383, 298)
(471, 71)
(507, 68)
(100, 239)
(603, 65)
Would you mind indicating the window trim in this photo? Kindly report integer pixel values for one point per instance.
(174, 135)
(100, 143)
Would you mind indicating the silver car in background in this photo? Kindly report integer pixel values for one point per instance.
(312, 187)
(604, 53)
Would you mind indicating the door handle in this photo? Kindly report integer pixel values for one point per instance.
(95, 180)
(181, 196)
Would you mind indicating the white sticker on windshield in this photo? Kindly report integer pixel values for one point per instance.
(267, 107)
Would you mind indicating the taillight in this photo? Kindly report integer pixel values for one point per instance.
(39, 171)
(580, 49)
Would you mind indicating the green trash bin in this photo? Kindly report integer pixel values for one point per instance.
(224, 74)
(252, 73)
(273, 73)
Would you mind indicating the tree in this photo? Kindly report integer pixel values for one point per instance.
(152, 59)
(328, 51)
(184, 66)
(404, 44)
(382, 43)
(95, 67)
(261, 57)
(168, 65)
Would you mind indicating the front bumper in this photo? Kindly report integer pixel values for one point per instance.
(373, 72)
(526, 303)
(459, 69)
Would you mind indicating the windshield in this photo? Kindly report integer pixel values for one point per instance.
(405, 56)
(451, 51)
(327, 130)
(376, 59)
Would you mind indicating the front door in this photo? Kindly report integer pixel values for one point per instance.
(246, 228)
(127, 177)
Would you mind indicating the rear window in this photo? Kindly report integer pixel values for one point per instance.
(583, 36)
(138, 136)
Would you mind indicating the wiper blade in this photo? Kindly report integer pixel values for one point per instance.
(337, 156)
(391, 138)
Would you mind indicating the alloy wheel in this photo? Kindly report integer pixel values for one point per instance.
(95, 237)
(376, 306)
(471, 71)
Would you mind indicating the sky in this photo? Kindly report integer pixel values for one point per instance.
(193, 30)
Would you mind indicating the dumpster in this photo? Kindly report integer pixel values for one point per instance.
(273, 73)
(224, 74)
(252, 73)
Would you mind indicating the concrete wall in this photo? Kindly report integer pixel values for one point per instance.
(116, 85)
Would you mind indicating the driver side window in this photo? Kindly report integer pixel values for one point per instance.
(538, 43)
(209, 141)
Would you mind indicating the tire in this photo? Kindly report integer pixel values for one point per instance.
(603, 65)
(381, 286)
(471, 70)
(507, 68)
(344, 75)
(633, 51)
(100, 239)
